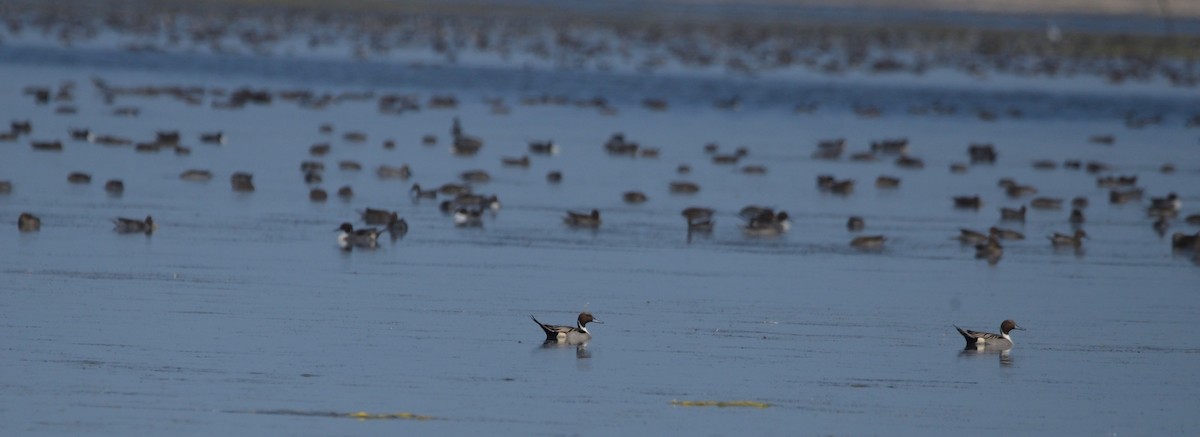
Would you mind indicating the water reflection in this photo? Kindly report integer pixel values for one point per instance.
(581, 351)
(972, 352)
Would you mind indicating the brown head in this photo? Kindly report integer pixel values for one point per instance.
(595, 216)
(585, 318)
(1009, 325)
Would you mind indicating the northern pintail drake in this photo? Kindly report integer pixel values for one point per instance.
(418, 193)
(129, 226)
(368, 237)
(569, 334)
(478, 201)
(543, 147)
(465, 218)
(979, 340)
(1075, 240)
(887, 182)
(1164, 206)
(217, 137)
(583, 220)
(867, 242)
(27, 222)
(768, 224)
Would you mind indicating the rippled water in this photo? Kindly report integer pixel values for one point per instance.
(240, 315)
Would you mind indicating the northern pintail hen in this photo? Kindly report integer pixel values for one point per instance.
(349, 237)
(868, 242)
(583, 220)
(1075, 240)
(569, 334)
(129, 226)
(979, 340)
(27, 222)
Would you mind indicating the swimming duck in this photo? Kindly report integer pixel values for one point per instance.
(634, 197)
(402, 172)
(476, 176)
(367, 238)
(523, 161)
(990, 250)
(1017, 214)
(27, 222)
(768, 224)
(968, 202)
(1075, 240)
(697, 213)
(1046, 203)
(129, 226)
(554, 177)
(1165, 206)
(979, 340)
(396, 226)
(682, 187)
(242, 182)
(582, 220)
(1184, 241)
(217, 137)
(114, 187)
(468, 218)
(418, 193)
(543, 147)
(867, 242)
(1006, 234)
(569, 334)
(317, 195)
(967, 236)
(887, 182)
(855, 223)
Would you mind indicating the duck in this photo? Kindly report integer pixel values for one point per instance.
(554, 177)
(1076, 217)
(1184, 241)
(396, 226)
(1165, 206)
(867, 242)
(980, 340)
(697, 213)
(577, 334)
(242, 182)
(583, 220)
(402, 172)
(634, 197)
(129, 226)
(543, 147)
(990, 250)
(969, 202)
(1013, 214)
(887, 182)
(968, 236)
(768, 224)
(217, 137)
(114, 186)
(855, 223)
(468, 218)
(1075, 240)
(418, 193)
(1006, 234)
(368, 237)
(478, 201)
(376, 216)
(1046, 203)
(27, 222)
(317, 195)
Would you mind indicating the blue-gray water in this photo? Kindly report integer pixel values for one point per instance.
(241, 304)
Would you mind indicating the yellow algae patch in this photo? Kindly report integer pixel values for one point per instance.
(722, 404)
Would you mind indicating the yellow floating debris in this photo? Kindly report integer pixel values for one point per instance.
(722, 404)
(363, 415)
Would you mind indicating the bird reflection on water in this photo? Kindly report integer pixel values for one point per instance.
(972, 353)
(581, 350)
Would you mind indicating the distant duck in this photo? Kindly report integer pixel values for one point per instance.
(1017, 214)
(196, 175)
(583, 220)
(79, 178)
(990, 250)
(129, 226)
(317, 195)
(27, 222)
(345, 192)
(1077, 217)
(350, 237)
(217, 137)
(1017, 190)
(554, 177)
(1161, 225)
(114, 187)
(1046, 203)
(1062, 240)
(681, 187)
(376, 216)
(887, 182)
(980, 340)
(543, 147)
(968, 236)
(402, 172)
(577, 334)
(1118, 197)
(468, 218)
(418, 193)
(968, 202)
(1184, 241)
(855, 223)
(242, 182)
(475, 176)
(867, 242)
(1165, 205)
(697, 213)
(768, 224)
(449, 189)
(397, 226)
(1006, 234)
(634, 197)
(515, 162)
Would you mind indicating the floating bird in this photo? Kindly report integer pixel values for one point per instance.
(27, 222)
(569, 334)
(1075, 240)
(129, 226)
(366, 238)
(583, 220)
(980, 340)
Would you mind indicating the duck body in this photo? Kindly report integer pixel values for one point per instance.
(577, 334)
(981, 340)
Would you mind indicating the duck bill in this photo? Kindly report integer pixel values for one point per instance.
(596, 321)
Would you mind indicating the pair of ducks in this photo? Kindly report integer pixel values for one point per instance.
(29, 223)
(579, 333)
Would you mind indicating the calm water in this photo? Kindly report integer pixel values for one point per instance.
(241, 316)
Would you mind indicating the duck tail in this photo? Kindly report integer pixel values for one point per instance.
(963, 332)
(540, 324)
